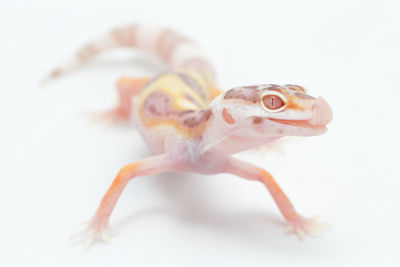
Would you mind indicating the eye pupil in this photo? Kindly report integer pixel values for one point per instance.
(272, 102)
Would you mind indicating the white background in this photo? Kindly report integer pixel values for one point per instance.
(55, 167)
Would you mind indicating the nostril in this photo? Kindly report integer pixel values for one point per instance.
(322, 112)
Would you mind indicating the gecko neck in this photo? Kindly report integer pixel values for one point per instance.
(221, 138)
(235, 144)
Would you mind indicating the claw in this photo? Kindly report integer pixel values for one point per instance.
(80, 233)
(89, 242)
(310, 227)
(106, 238)
(95, 232)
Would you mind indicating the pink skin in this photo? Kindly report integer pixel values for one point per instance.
(322, 113)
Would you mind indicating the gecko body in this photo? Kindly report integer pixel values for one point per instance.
(192, 126)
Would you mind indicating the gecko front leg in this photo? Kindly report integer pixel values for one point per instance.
(98, 227)
(299, 225)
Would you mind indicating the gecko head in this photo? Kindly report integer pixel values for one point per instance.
(274, 111)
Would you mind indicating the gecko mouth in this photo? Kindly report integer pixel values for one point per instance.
(321, 116)
(298, 123)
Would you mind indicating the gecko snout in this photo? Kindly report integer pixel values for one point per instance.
(321, 113)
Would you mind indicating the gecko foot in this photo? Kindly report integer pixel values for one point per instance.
(94, 232)
(301, 227)
(108, 118)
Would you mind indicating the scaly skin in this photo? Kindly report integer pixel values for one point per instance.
(192, 126)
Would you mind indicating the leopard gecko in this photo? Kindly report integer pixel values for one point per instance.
(192, 126)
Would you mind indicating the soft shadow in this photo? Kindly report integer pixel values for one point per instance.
(192, 204)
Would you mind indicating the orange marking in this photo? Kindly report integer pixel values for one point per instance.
(291, 100)
(227, 116)
(267, 177)
(132, 82)
(115, 189)
(295, 106)
(278, 195)
(292, 103)
(214, 92)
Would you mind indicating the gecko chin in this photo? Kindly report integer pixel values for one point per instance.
(299, 127)
(298, 123)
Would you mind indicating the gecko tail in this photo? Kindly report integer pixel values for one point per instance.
(174, 49)
(83, 56)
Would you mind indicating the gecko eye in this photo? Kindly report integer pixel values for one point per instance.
(273, 101)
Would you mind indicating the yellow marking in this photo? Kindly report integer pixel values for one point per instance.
(205, 86)
(152, 123)
(173, 85)
(185, 103)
